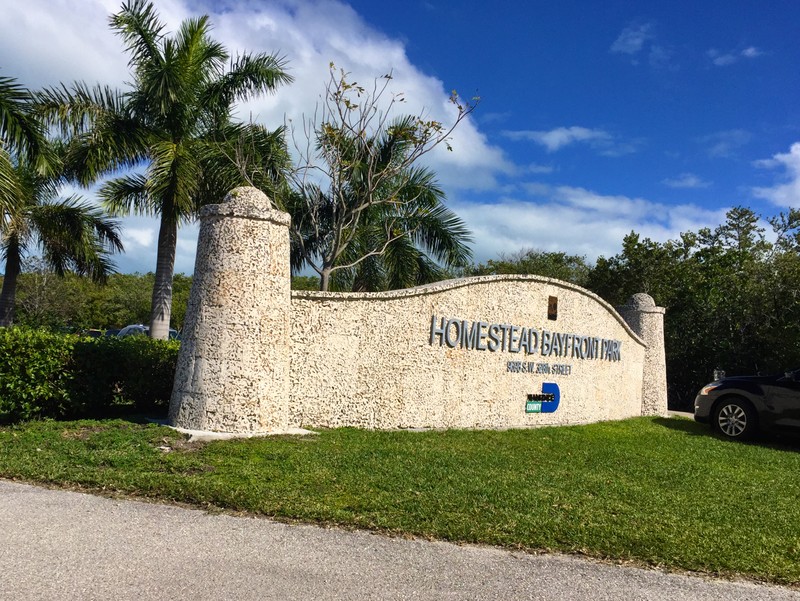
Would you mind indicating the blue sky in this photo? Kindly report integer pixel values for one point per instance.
(595, 119)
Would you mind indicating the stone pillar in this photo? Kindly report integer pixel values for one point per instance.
(647, 321)
(233, 366)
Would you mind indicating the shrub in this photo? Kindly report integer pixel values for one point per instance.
(115, 372)
(55, 375)
(35, 374)
(148, 371)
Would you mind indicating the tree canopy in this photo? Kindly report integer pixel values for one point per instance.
(732, 296)
(360, 203)
(70, 233)
(22, 137)
(173, 121)
(558, 265)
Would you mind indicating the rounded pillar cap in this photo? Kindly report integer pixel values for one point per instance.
(641, 301)
(249, 197)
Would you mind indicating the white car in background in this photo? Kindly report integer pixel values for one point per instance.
(143, 330)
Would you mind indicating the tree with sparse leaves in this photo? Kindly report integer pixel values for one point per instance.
(365, 215)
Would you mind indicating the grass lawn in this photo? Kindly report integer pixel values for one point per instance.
(654, 491)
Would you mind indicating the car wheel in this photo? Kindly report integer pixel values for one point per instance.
(735, 418)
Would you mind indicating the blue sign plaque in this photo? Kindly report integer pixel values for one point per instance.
(546, 402)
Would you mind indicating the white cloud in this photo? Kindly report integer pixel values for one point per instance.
(686, 180)
(555, 139)
(724, 144)
(59, 40)
(539, 169)
(536, 188)
(724, 59)
(639, 40)
(139, 236)
(720, 59)
(576, 221)
(786, 194)
(660, 57)
(632, 39)
(618, 148)
(752, 52)
(186, 248)
(487, 118)
(558, 138)
(312, 35)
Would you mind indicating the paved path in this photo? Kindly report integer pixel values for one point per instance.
(66, 545)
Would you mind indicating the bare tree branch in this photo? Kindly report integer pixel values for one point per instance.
(355, 159)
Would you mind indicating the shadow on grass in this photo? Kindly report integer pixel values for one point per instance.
(124, 414)
(143, 419)
(682, 425)
(779, 440)
(784, 441)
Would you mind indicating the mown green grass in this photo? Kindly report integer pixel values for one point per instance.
(650, 490)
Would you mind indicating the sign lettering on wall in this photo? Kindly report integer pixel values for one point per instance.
(494, 337)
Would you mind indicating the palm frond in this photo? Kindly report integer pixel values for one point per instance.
(76, 236)
(247, 76)
(444, 235)
(103, 135)
(139, 26)
(114, 145)
(245, 154)
(75, 109)
(401, 260)
(21, 131)
(10, 244)
(127, 195)
(10, 188)
(18, 126)
(35, 187)
(201, 57)
(428, 271)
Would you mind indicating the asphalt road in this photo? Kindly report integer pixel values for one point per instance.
(66, 545)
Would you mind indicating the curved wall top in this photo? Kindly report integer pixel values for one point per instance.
(460, 283)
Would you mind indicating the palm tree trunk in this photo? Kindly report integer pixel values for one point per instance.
(162, 287)
(8, 294)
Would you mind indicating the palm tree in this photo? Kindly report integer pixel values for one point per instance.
(71, 234)
(170, 122)
(381, 223)
(21, 134)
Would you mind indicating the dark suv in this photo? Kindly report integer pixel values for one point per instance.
(740, 406)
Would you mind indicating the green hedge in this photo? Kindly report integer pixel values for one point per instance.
(35, 374)
(43, 374)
